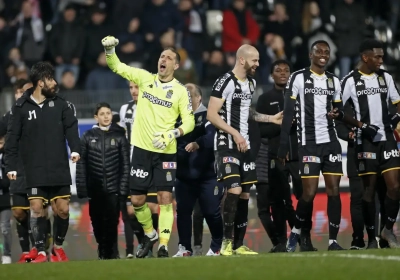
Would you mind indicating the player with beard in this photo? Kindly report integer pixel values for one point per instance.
(310, 95)
(39, 126)
(229, 111)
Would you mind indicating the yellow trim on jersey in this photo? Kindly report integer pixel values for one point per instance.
(60, 196)
(365, 74)
(317, 73)
(309, 177)
(20, 207)
(368, 173)
(293, 97)
(386, 170)
(251, 182)
(335, 174)
(396, 102)
(240, 79)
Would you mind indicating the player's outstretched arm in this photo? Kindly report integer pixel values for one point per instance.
(132, 74)
(258, 117)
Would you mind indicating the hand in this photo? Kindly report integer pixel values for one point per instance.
(369, 130)
(351, 135)
(240, 142)
(75, 157)
(163, 139)
(12, 175)
(277, 118)
(109, 44)
(336, 114)
(191, 147)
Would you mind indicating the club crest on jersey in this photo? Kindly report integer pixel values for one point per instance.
(168, 176)
(51, 104)
(169, 165)
(361, 166)
(330, 83)
(230, 159)
(169, 94)
(228, 168)
(381, 81)
(306, 169)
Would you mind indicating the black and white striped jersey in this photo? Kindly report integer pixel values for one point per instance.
(127, 116)
(314, 97)
(237, 96)
(370, 96)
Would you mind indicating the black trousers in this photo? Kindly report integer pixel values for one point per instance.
(104, 213)
(356, 213)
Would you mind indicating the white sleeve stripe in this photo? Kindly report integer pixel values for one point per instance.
(207, 124)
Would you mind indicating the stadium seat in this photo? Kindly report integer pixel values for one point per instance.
(214, 22)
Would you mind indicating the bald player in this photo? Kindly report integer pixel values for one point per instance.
(229, 110)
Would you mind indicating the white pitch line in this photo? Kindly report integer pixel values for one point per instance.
(349, 256)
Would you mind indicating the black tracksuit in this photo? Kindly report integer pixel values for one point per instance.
(103, 175)
(39, 134)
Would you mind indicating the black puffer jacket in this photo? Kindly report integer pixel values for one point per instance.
(104, 163)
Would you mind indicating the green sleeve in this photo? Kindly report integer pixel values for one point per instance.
(186, 112)
(136, 75)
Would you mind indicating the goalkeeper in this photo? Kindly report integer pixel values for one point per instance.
(162, 99)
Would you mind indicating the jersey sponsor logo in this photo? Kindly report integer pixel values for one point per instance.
(366, 155)
(219, 83)
(359, 84)
(371, 91)
(335, 158)
(221, 143)
(249, 166)
(157, 101)
(128, 120)
(222, 137)
(319, 91)
(169, 165)
(139, 173)
(311, 159)
(230, 159)
(243, 96)
(393, 153)
(308, 81)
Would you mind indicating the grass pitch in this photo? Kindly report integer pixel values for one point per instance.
(371, 264)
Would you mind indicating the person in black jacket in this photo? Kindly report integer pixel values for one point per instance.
(273, 189)
(102, 175)
(40, 123)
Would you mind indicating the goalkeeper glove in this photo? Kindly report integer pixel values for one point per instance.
(163, 139)
(109, 44)
(369, 130)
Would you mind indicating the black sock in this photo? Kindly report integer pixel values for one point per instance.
(230, 206)
(302, 210)
(334, 215)
(28, 220)
(240, 222)
(38, 227)
(307, 225)
(62, 229)
(392, 209)
(137, 228)
(368, 209)
(23, 234)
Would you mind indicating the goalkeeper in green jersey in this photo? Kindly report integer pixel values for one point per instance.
(162, 100)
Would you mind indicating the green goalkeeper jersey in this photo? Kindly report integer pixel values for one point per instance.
(158, 108)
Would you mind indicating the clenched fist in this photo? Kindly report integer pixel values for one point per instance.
(109, 44)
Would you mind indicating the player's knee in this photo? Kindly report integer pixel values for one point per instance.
(393, 190)
(244, 195)
(138, 200)
(308, 195)
(153, 207)
(37, 207)
(19, 214)
(164, 197)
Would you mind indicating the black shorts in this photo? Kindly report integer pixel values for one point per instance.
(48, 194)
(232, 163)
(325, 158)
(150, 170)
(19, 201)
(377, 157)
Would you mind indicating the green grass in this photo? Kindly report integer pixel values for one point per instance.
(374, 264)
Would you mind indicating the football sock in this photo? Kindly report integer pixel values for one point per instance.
(392, 209)
(23, 234)
(143, 215)
(334, 215)
(229, 214)
(166, 220)
(62, 229)
(240, 222)
(38, 227)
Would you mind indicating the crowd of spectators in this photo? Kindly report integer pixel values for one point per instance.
(68, 33)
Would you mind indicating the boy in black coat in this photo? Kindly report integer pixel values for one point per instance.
(102, 175)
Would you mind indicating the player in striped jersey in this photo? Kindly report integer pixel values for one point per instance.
(371, 91)
(229, 111)
(310, 95)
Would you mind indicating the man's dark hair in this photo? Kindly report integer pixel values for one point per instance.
(41, 71)
(3, 128)
(278, 62)
(101, 105)
(370, 45)
(19, 84)
(178, 57)
(320, 42)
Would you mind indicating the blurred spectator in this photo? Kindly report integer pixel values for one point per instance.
(273, 49)
(215, 67)
(97, 29)
(125, 10)
(15, 66)
(131, 43)
(102, 78)
(218, 4)
(158, 17)
(4, 39)
(186, 73)
(66, 43)
(30, 37)
(239, 27)
(68, 81)
(350, 29)
(167, 39)
(279, 24)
